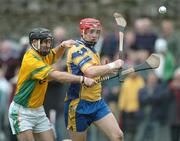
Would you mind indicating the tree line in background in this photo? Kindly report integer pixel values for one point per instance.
(19, 16)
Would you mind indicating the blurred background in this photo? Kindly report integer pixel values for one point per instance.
(146, 104)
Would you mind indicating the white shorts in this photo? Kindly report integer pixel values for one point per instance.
(22, 119)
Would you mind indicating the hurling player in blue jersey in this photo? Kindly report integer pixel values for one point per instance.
(84, 105)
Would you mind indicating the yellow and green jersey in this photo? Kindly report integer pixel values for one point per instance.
(79, 58)
(32, 78)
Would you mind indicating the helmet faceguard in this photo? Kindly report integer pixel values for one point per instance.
(89, 23)
(42, 35)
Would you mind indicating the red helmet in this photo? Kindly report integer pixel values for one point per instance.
(89, 23)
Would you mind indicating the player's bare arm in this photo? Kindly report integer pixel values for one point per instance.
(101, 70)
(64, 77)
(60, 49)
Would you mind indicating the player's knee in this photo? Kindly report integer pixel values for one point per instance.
(119, 136)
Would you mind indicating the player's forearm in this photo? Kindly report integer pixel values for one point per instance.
(59, 50)
(64, 77)
(100, 70)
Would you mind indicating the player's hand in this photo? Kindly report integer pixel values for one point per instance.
(118, 64)
(88, 82)
(68, 43)
(115, 66)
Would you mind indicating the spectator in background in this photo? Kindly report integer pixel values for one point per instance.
(166, 69)
(145, 37)
(145, 130)
(128, 105)
(153, 100)
(59, 34)
(5, 91)
(9, 53)
(175, 107)
(110, 45)
(130, 47)
(168, 33)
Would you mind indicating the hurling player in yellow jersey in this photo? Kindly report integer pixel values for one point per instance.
(84, 105)
(26, 113)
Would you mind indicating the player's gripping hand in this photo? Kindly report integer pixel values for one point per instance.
(115, 66)
(88, 82)
(67, 43)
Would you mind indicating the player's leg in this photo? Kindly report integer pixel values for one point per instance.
(25, 136)
(78, 136)
(43, 131)
(45, 136)
(109, 125)
(76, 121)
(20, 122)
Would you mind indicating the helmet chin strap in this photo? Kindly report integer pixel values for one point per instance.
(34, 47)
(39, 44)
(38, 48)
